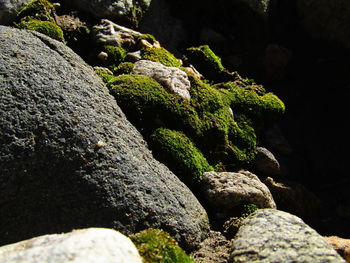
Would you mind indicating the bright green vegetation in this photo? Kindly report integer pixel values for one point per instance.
(148, 105)
(253, 103)
(123, 68)
(155, 245)
(45, 27)
(38, 16)
(179, 153)
(38, 9)
(204, 60)
(159, 54)
(226, 141)
(116, 55)
(150, 38)
(218, 128)
(248, 210)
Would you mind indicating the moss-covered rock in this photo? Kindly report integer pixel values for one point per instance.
(155, 245)
(150, 38)
(123, 68)
(180, 154)
(148, 105)
(254, 104)
(45, 27)
(205, 60)
(116, 55)
(38, 9)
(159, 54)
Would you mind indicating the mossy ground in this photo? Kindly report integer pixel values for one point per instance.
(218, 128)
(45, 27)
(159, 54)
(205, 60)
(155, 245)
(38, 15)
(180, 154)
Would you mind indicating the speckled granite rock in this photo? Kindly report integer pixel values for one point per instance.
(80, 246)
(274, 236)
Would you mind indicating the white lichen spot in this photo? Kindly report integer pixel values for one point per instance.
(100, 144)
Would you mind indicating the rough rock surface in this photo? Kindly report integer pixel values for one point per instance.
(9, 10)
(69, 157)
(266, 162)
(326, 20)
(341, 245)
(80, 246)
(270, 235)
(110, 8)
(216, 248)
(109, 33)
(160, 22)
(294, 198)
(227, 190)
(173, 79)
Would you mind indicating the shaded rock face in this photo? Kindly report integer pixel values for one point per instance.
(80, 246)
(70, 159)
(117, 9)
(326, 20)
(9, 10)
(274, 236)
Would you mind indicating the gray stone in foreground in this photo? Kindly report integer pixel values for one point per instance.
(274, 236)
(70, 159)
(80, 246)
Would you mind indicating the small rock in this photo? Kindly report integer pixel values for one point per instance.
(341, 245)
(270, 235)
(109, 33)
(274, 138)
(103, 56)
(80, 246)
(133, 56)
(173, 79)
(226, 190)
(266, 162)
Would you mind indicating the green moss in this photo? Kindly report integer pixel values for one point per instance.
(248, 209)
(159, 54)
(116, 55)
(45, 27)
(123, 68)
(38, 9)
(148, 105)
(205, 60)
(176, 150)
(155, 245)
(150, 38)
(262, 109)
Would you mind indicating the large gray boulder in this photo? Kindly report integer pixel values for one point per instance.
(80, 246)
(270, 235)
(9, 10)
(69, 157)
(326, 20)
